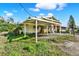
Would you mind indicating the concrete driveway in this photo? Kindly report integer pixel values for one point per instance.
(71, 48)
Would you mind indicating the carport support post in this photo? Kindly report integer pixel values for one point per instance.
(36, 30)
(47, 29)
(60, 29)
(24, 29)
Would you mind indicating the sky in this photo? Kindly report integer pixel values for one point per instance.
(61, 11)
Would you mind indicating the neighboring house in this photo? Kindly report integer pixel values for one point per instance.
(63, 29)
(41, 25)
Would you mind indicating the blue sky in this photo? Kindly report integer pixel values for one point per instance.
(60, 11)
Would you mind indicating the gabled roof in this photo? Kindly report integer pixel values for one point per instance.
(52, 19)
(42, 20)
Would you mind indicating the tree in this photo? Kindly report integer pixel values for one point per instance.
(10, 20)
(8, 25)
(1, 19)
(71, 25)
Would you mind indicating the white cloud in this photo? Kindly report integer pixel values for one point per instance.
(47, 6)
(41, 14)
(8, 14)
(34, 9)
(50, 14)
(50, 6)
(61, 6)
(5, 11)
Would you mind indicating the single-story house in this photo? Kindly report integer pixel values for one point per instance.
(63, 29)
(41, 25)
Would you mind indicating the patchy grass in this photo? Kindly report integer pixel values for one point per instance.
(62, 38)
(22, 46)
(30, 48)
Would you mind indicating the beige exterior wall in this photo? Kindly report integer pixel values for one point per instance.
(30, 29)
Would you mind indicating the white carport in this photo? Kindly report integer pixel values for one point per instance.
(36, 22)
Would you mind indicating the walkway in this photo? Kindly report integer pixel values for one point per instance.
(51, 35)
(71, 48)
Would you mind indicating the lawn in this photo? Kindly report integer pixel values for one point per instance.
(26, 46)
(62, 38)
(30, 48)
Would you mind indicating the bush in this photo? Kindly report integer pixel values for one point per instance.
(10, 36)
(31, 34)
(67, 30)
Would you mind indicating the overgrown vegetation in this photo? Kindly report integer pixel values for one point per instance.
(30, 48)
(6, 25)
(26, 46)
(62, 38)
(11, 36)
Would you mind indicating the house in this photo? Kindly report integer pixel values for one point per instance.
(41, 25)
(63, 29)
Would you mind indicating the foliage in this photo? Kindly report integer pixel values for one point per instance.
(10, 20)
(77, 30)
(67, 30)
(71, 24)
(11, 36)
(24, 48)
(54, 18)
(42, 49)
(6, 25)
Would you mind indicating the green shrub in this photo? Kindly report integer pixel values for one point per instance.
(31, 34)
(10, 36)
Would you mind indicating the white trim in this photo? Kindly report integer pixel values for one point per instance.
(36, 31)
(60, 29)
(47, 29)
(45, 20)
(53, 29)
(24, 30)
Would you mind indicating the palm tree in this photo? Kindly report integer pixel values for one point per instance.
(71, 25)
